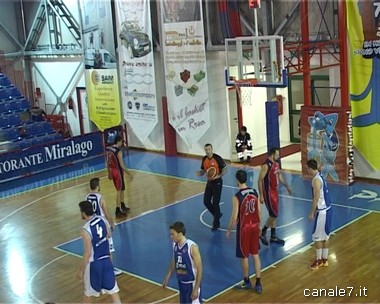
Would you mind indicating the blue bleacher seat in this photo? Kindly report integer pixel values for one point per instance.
(47, 127)
(5, 107)
(4, 121)
(22, 104)
(15, 119)
(9, 92)
(34, 129)
(12, 134)
(4, 80)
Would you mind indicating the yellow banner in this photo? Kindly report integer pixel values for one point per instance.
(363, 20)
(103, 97)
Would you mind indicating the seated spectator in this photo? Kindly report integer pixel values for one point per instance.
(243, 143)
(37, 114)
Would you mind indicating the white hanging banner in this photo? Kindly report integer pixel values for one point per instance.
(136, 66)
(185, 68)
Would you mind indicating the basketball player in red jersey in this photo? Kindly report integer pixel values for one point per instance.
(269, 178)
(116, 169)
(213, 191)
(246, 212)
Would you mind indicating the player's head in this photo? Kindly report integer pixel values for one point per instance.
(208, 149)
(177, 231)
(312, 165)
(118, 140)
(95, 184)
(86, 209)
(274, 153)
(243, 130)
(241, 177)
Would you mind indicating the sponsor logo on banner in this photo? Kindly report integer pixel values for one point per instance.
(136, 63)
(99, 57)
(103, 95)
(185, 68)
(363, 20)
(41, 158)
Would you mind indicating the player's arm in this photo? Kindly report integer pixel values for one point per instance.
(283, 182)
(316, 192)
(234, 216)
(86, 254)
(107, 214)
(122, 165)
(259, 211)
(168, 274)
(108, 167)
(221, 165)
(263, 172)
(198, 266)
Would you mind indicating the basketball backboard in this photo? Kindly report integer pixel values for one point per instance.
(255, 61)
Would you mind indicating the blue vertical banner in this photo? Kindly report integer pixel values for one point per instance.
(183, 46)
(136, 66)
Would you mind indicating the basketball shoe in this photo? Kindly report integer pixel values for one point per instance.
(263, 239)
(277, 241)
(325, 262)
(258, 288)
(244, 285)
(316, 264)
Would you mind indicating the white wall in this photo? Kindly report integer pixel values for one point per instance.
(254, 117)
(58, 81)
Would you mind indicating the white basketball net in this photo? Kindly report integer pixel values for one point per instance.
(245, 94)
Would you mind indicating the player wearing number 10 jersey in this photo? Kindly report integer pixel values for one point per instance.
(246, 213)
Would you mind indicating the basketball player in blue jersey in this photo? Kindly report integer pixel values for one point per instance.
(246, 212)
(96, 269)
(99, 206)
(187, 264)
(322, 212)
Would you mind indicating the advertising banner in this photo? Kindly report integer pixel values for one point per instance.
(46, 157)
(185, 68)
(363, 20)
(100, 63)
(327, 137)
(136, 66)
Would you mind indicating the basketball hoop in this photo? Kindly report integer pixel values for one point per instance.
(244, 89)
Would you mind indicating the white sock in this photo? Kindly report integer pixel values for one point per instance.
(325, 253)
(319, 254)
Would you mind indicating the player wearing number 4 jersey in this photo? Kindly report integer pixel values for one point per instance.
(99, 206)
(246, 213)
(96, 269)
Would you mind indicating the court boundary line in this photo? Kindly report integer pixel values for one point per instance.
(138, 216)
(296, 198)
(51, 184)
(68, 253)
(30, 281)
(300, 250)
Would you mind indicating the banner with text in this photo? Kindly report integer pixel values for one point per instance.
(136, 66)
(363, 21)
(46, 157)
(185, 68)
(102, 83)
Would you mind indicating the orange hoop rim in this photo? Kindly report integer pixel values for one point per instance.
(252, 82)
